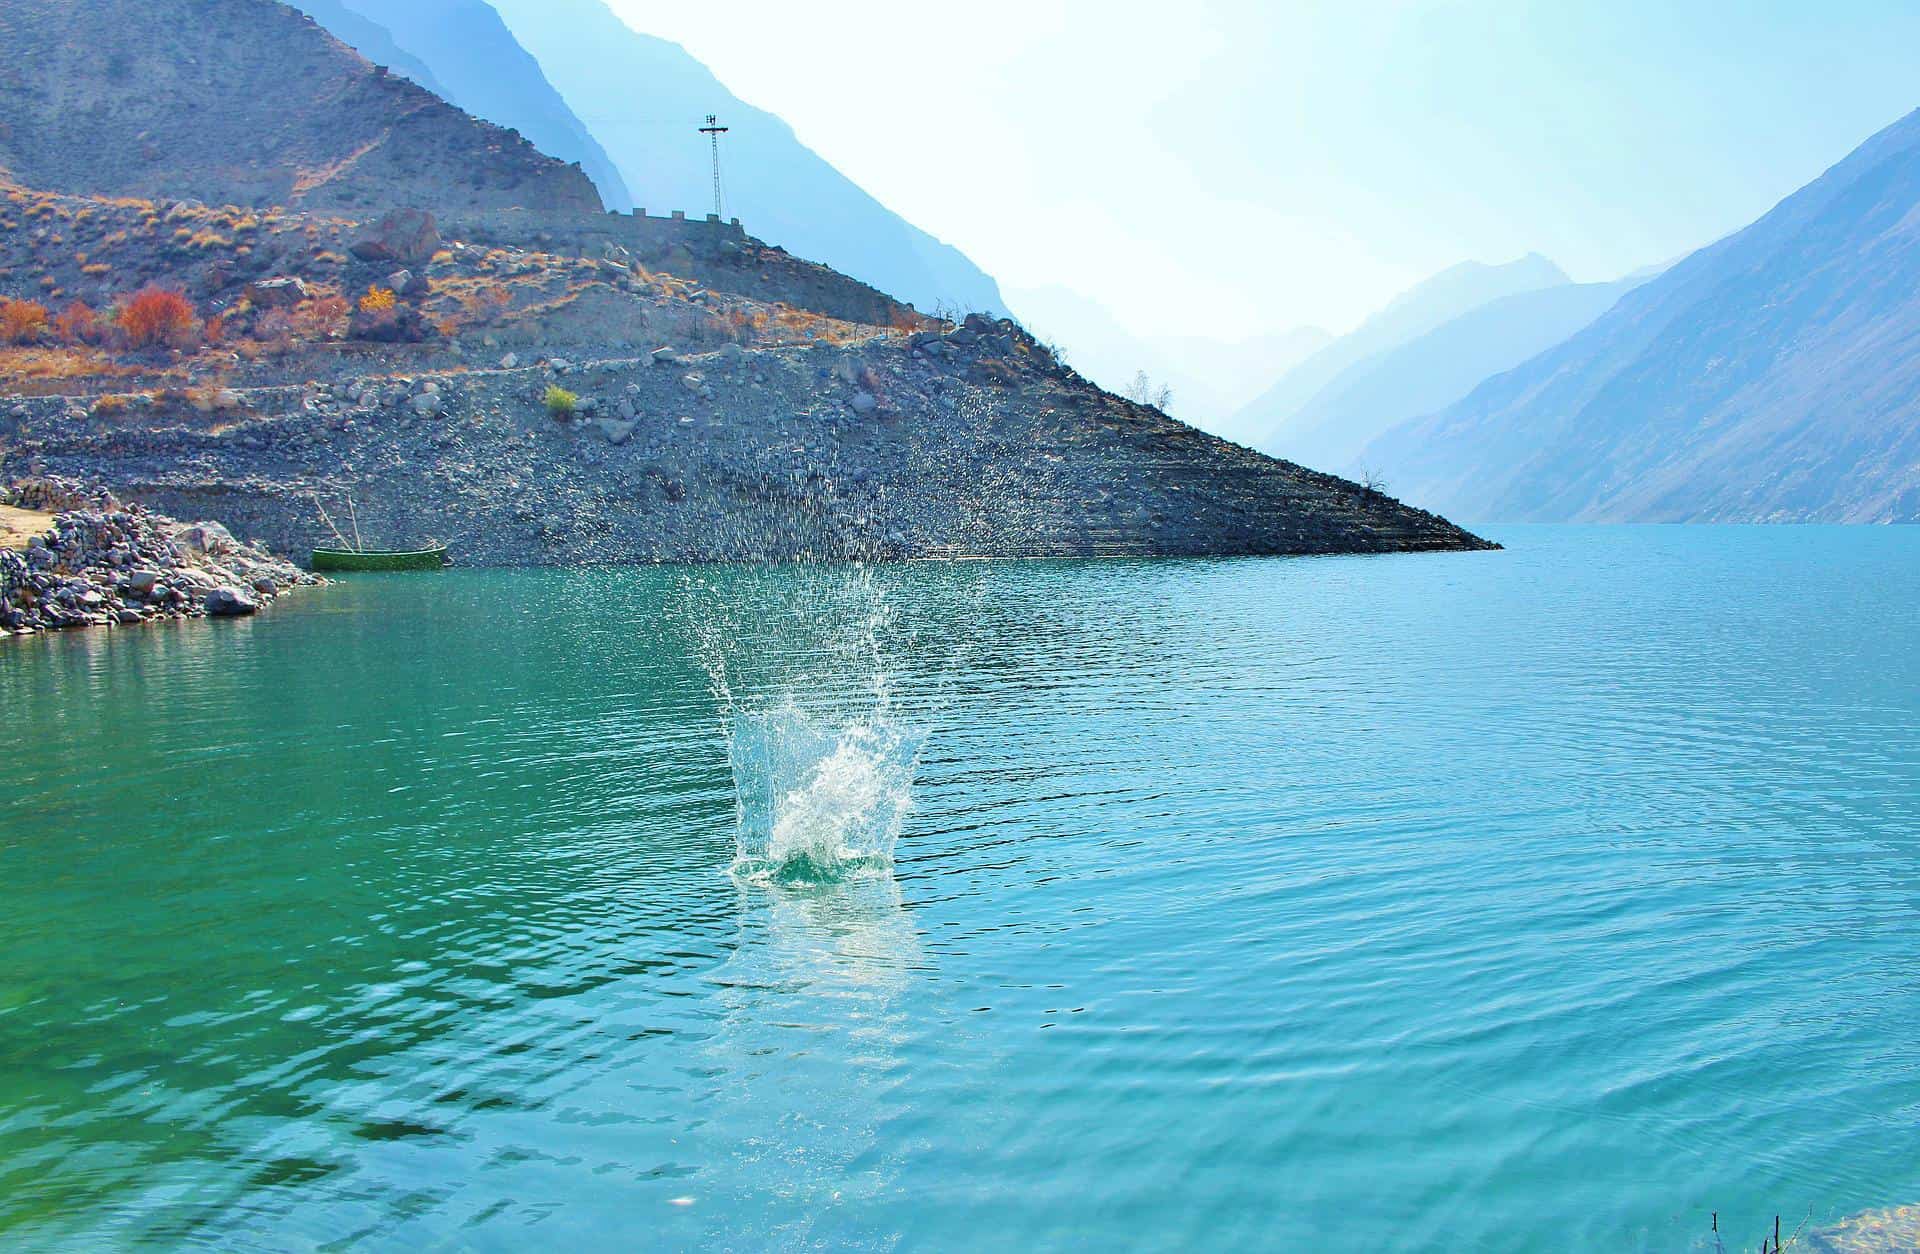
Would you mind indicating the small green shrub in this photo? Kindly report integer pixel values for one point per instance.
(560, 402)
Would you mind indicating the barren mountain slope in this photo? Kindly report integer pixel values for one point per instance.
(245, 102)
(1772, 377)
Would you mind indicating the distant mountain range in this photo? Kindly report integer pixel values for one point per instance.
(1773, 376)
(461, 51)
(1282, 418)
(1434, 370)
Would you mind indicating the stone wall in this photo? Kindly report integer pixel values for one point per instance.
(639, 232)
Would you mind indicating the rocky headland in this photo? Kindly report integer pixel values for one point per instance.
(444, 339)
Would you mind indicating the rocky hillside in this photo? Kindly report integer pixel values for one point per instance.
(544, 386)
(271, 295)
(968, 441)
(243, 102)
(468, 57)
(1774, 376)
(374, 42)
(566, 402)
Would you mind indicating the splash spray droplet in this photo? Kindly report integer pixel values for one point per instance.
(818, 801)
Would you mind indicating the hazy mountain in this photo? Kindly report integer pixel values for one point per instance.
(470, 59)
(1432, 371)
(245, 102)
(1413, 313)
(644, 98)
(1210, 379)
(1772, 376)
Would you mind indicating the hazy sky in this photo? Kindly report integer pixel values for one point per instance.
(1269, 164)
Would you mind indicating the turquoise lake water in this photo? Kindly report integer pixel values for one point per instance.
(1546, 899)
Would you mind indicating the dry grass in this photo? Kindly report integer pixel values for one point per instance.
(44, 365)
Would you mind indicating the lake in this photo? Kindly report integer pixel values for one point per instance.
(1551, 898)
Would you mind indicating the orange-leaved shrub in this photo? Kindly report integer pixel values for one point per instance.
(21, 321)
(77, 325)
(157, 316)
(377, 300)
(322, 318)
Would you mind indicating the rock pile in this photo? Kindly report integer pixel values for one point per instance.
(104, 563)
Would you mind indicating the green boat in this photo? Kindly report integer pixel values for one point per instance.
(432, 558)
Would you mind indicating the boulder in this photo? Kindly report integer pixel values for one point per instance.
(140, 582)
(229, 603)
(403, 324)
(664, 357)
(865, 402)
(427, 404)
(616, 430)
(407, 236)
(409, 283)
(278, 293)
(204, 537)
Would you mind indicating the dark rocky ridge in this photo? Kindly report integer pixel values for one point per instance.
(243, 102)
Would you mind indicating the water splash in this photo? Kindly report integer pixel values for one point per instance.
(825, 680)
(818, 801)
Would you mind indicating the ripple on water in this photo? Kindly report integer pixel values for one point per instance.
(1552, 898)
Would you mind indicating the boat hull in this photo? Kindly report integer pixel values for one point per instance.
(404, 559)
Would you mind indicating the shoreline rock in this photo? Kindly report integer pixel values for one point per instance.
(104, 563)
